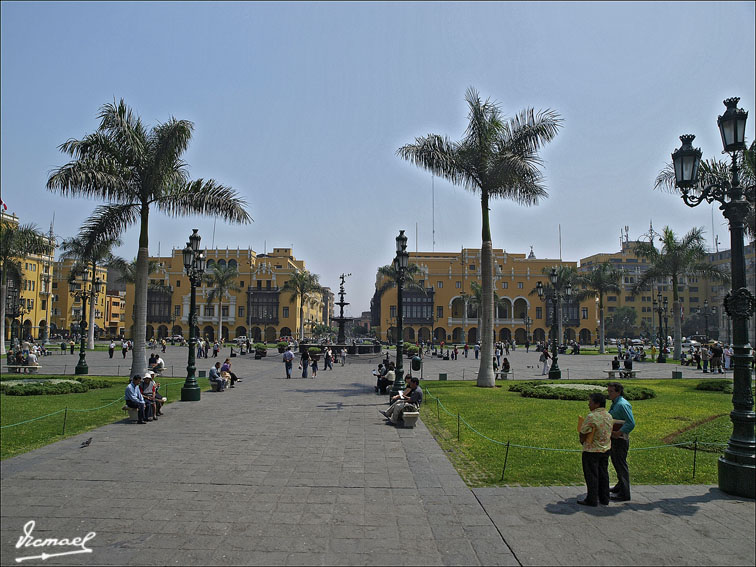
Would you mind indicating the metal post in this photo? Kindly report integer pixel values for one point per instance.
(65, 418)
(458, 426)
(506, 457)
(554, 372)
(81, 367)
(191, 390)
(695, 454)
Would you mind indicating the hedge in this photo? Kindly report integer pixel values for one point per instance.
(54, 388)
(544, 391)
(724, 386)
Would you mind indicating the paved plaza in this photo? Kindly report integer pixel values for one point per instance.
(306, 472)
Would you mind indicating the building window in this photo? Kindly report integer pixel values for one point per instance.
(241, 284)
(440, 311)
(259, 284)
(612, 298)
(612, 309)
(472, 267)
(693, 289)
(44, 305)
(584, 313)
(519, 285)
(392, 311)
(285, 312)
(439, 284)
(267, 284)
(629, 298)
(505, 285)
(693, 300)
(241, 313)
(539, 312)
(55, 285)
(458, 285)
(209, 310)
(224, 310)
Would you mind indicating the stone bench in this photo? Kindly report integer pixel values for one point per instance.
(27, 369)
(409, 419)
(622, 373)
(499, 375)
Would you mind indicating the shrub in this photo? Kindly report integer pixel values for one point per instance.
(542, 390)
(282, 345)
(724, 386)
(261, 346)
(95, 383)
(411, 349)
(314, 350)
(44, 388)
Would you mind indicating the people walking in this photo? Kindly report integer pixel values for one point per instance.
(620, 410)
(288, 358)
(111, 349)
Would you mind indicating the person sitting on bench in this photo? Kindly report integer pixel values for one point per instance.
(505, 367)
(382, 382)
(134, 398)
(215, 377)
(149, 394)
(409, 400)
(615, 364)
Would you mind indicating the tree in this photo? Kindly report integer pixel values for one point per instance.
(676, 260)
(622, 322)
(89, 250)
(302, 285)
(222, 279)
(476, 299)
(602, 279)
(389, 274)
(16, 243)
(494, 158)
(136, 170)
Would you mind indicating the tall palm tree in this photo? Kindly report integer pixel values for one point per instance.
(388, 274)
(222, 279)
(495, 158)
(476, 299)
(89, 251)
(602, 279)
(676, 260)
(135, 169)
(302, 285)
(16, 243)
(128, 270)
(715, 171)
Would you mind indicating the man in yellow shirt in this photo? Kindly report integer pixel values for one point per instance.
(596, 437)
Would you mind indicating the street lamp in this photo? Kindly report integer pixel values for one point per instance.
(556, 299)
(706, 318)
(194, 264)
(528, 323)
(659, 308)
(400, 264)
(83, 294)
(666, 324)
(737, 467)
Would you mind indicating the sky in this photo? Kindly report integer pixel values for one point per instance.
(301, 107)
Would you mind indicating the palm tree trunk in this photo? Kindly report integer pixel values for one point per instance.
(92, 306)
(601, 316)
(678, 329)
(301, 319)
(560, 330)
(138, 354)
(220, 319)
(3, 295)
(486, 376)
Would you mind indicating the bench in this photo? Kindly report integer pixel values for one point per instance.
(499, 375)
(17, 368)
(622, 373)
(409, 419)
(133, 412)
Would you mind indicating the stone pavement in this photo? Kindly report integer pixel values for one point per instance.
(300, 471)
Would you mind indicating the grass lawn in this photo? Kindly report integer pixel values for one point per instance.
(23, 438)
(678, 413)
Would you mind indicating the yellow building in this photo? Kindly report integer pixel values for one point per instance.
(28, 298)
(66, 308)
(446, 313)
(115, 313)
(260, 310)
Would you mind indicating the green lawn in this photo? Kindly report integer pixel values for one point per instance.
(506, 416)
(28, 436)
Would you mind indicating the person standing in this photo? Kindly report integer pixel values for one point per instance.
(111, 349)
(343, 356)
(288, 358)
(706, 357)
(124, 348)
(596, 438)
(728, 352)
(477, 350)
(621, 410)
(716, 358)
(545, 356)
(304, 362)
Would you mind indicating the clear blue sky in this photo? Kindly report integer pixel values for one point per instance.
(302, 106)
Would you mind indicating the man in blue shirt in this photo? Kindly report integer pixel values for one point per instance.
(621, 409)
(134, 398)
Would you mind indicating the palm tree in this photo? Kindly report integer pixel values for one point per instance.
(714, 171)
(16, 243)
(302, 285)
(389, 273)
(495, 158)
(128, 270)
(223, 280)
(89, 251)
(602, 279)
(566, 275)
(476, 299)
(676, 260)
(134, 170)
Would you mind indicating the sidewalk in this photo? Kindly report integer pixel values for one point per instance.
(300, 471)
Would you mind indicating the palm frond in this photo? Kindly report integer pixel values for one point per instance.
(204, 197)
(110, 221)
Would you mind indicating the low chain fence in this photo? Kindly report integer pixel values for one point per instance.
(695, 444)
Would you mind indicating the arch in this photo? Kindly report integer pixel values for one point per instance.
(162, 332)
(27, 329)
(520, 308)
(439, 335)
(42, 329)
(585, 337)
(569, 334)
(285, 332)
(224, 333)
(472, 336)
(539, 335)
(409, 334)
(149, 332)
(256, 334)
(210, 263)
(458, 335)
(472, 310)
(241, 332)
(457, 308)
(270, 334)
(391, 333)
(177, 330)
(221, 263)
(504, 308)
(53, 328)
(423, 334)
(232, 264)
(521, 336)
(505, 334)
(208, 333)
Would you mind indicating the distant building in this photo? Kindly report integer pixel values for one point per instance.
(66, 311)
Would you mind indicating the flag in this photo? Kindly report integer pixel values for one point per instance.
(5, 207)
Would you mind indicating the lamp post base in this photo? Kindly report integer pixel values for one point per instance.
(81, 367)
(190, 393)
(555, 374)
(736, 478)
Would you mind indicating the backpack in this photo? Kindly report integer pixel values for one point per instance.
(542, 358)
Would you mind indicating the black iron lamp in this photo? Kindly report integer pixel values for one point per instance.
(195, 262)
(401, 261)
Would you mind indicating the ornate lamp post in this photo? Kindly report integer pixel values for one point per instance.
(194, 264)
(528, 323)
(737, 467)
(83, 294)
(12, 306)
(666, 324)
(556, 299)
(658, 307)
(706, 318)
(400, 263)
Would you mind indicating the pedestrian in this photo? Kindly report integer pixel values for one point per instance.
(343, 356)
(314, 366)
(728, 352)
(63, 347)
(706, 357)
(111, 349)
(498, 354)
(304, 362)
(545, 356)
(716, 358)
(124, 348)
(620, 410)
(596, 437)
(467, 348)
(72, 345)
(288, 358)
(477, 350)
(527, 346)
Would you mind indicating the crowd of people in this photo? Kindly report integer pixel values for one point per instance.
(143, 394)
(714, 358)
